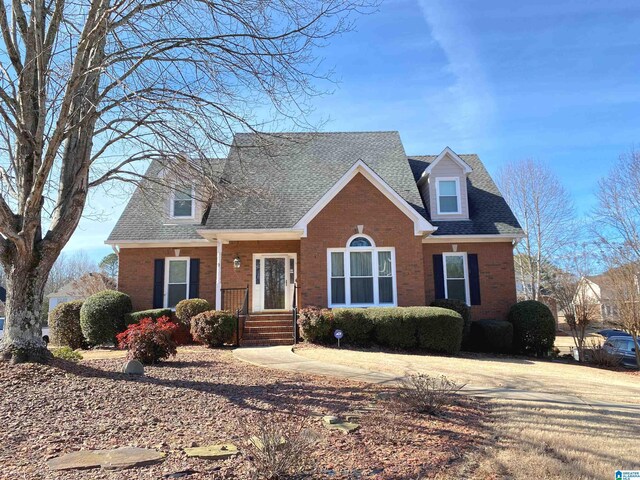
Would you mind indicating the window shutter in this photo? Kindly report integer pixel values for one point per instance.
(158, 283)
(474, 278)
(194, 278)
(438, 276)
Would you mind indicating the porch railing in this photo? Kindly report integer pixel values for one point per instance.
(294, 308)
(236, 300)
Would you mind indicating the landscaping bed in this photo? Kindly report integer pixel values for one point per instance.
(205, 397)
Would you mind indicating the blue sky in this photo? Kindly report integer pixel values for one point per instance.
(557, 81)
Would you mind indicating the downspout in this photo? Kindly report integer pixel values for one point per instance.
(219, 275)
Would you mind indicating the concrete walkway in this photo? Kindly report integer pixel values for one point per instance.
(283, 358)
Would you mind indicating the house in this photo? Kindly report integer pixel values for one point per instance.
(328, 219)
(80, 288)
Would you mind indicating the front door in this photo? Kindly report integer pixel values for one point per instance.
(273, 279)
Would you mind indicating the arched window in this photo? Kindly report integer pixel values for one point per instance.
(361, 274)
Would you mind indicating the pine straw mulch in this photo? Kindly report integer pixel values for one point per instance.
(204, 397)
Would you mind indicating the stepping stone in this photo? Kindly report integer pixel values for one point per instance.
(331, 419)
(344, 427)
(119, 458)
(133, 367)
(258, 443)
(213, 452)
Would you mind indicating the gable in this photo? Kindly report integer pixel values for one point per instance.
(363, 173)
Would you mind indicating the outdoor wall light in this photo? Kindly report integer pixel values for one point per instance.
(236, 262)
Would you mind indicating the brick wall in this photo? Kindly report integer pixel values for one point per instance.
(497, 276)
(135, 275)
(361, 203)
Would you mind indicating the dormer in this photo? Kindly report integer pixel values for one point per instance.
(443, 186)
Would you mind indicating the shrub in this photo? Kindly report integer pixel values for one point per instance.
(315, 324)
(149, 340)
(154, 314)
(457, 306)
(495, 336)
(597, 355)
(102, 316)
(424, 393)
(355, 324)
(67, 353)
(534, 328)
(64, 322)
(392, 328)
(438, 329)
(189, 308)
(213, 328)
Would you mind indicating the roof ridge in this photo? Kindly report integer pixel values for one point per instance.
(335, 132)
(436, 154)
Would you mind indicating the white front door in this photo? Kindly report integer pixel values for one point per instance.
(273, 279)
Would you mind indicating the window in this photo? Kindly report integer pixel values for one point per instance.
(361, 274)
(176, 280)
(182, 203)
(448, 193)
(456, 276)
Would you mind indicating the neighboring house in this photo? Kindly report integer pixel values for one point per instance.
(342, 219)
(80, 288)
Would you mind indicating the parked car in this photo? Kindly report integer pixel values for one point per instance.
(45, 330)
(611, 332)
(624, 347)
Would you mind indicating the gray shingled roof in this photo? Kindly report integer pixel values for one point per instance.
(289, 173)
(278, 178)
(488, 210)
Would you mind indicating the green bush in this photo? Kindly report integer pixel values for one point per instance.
(189, 308)
(392, 328)
(213, 328)
(102, 316)
(494, 336)
(154, 314)
(64, 322)
(457, 306)
(534, 328)
(315, 324)
(67, 353)
(438, 329)
(356, 326)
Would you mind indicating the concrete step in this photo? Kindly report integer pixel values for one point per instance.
(267, 334)
(265, 343)
(271, 328)
(268, 323)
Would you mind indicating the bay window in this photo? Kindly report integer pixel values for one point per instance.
(361, 274)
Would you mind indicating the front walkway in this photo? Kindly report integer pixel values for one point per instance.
(283, 358)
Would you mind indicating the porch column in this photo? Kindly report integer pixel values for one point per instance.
(219, 275)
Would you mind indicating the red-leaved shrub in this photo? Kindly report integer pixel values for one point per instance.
(149, 341)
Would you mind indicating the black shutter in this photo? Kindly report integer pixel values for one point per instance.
(438, 276)
(158, 283)
(194, 278)
(474, 278)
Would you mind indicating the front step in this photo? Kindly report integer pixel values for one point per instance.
(263, 329)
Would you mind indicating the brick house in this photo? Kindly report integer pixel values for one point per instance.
(336, 219)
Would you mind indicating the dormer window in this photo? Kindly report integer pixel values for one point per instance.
(182, 203)
(448, 195)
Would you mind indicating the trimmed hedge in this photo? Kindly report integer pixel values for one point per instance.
(316, 324)
(64, 321)
(457, 306)
(427, 328)
(534, 328)
(492, 336)
(213, 328)
(102, 316)
(190, 307)
(153, 314)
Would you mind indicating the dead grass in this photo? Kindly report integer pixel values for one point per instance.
(519, 373)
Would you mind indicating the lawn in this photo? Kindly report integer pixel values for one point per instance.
(204, 397)
(542, 439)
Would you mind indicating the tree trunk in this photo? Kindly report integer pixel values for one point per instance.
(22, 338)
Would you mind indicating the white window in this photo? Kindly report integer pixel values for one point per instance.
(176, 280)
(182, 203)
(448, 195)
(361, 274)
(456, 276)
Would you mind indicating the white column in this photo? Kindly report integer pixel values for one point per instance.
(219, 275)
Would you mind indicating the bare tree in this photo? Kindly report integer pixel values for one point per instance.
(68, 267)
(546, 211)
(90, 92)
